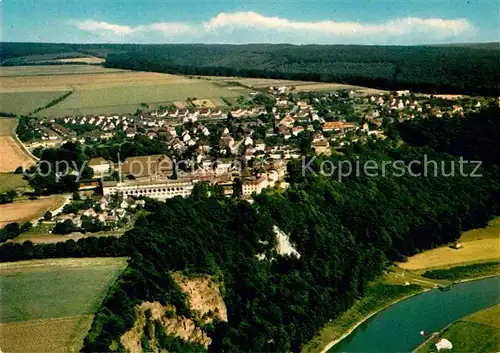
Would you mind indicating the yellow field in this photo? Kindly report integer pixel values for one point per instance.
(47, 335)
(48, 305)
(13, 155)
(203, 103)
(84, 60)
(479, 245)
(27, 210)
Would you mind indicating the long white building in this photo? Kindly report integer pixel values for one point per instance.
(159, 190)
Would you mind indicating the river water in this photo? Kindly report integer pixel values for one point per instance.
(397, 328)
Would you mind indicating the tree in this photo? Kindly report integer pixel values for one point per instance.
(47, 216)
(237, 188)
(65, 227)
(19, 170)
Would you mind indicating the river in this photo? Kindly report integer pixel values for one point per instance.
(397, 328)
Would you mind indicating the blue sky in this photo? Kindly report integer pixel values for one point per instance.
(204, 21)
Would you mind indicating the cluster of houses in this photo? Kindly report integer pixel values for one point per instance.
(108, 211)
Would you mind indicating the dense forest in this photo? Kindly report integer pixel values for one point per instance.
(346, 233)
(471, 69)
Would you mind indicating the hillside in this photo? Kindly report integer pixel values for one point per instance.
(465, 68)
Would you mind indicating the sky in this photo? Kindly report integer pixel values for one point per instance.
(389, 22)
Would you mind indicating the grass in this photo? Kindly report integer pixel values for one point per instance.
(377, 297)
(26, 102)
(479, 245)
(47, 305)
(464, 272)
(391, 288)
(479, 332)
(37, 70)
(98, 90)
(11, 181)
(126, 99)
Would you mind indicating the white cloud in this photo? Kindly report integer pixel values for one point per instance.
(250, 26)
(171, 28)
(439, 27)
(95, 26)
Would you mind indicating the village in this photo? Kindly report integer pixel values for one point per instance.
(242, 149)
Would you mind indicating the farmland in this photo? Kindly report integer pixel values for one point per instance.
(26, 210)
(100, 90)
(11, 181)
(13, 155)
(84, 60)
(479, 332)
(300, 86)
(48, 305)
(479, 245)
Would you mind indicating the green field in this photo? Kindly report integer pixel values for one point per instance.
(11, 181)
(36, 70)
(479, 333)
(52, 301)
(26, 102)
(99, 90)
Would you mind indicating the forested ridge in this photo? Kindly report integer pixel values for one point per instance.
(470, 69)
(347, 233)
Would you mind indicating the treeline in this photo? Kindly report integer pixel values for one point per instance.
(25, 129)
(53, 102)
(7, 196)
(60, 170)
(474, 138)
(465, 272)
(468, 69)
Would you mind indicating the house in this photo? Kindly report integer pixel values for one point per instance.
(100, 166)
(321, 147)
(260, 145)
(287, 121)
(256, 185)
(89, 213)
(147, 166)
(130, 131)
(339, 126)
(223, 167)
(248, 141)
(297, 130)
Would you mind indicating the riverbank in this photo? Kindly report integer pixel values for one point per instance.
(378, 297)
(449, 272)
(479, 332)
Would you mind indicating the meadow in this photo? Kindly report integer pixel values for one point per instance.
(48, 305)
(99, 90)
(479, 332)
(13, 154)
(478, 245)
(11, 181)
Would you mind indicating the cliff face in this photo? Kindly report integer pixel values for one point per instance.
(204, 296)
(205, 303)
